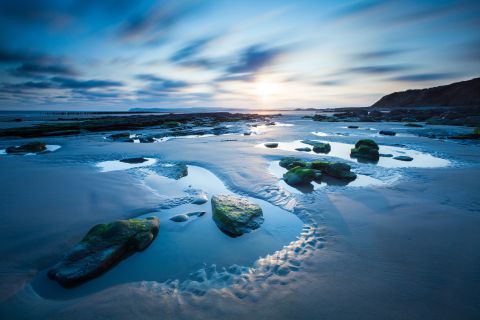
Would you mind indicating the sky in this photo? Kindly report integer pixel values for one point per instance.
(121, 54)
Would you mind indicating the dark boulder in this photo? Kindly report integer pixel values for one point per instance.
(134, 160)
(102, 247)
(32, 147)
(387, 133)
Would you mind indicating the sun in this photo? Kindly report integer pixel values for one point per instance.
(266, 90)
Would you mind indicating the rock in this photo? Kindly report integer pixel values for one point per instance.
(385, 155)
(340, 171)
(368, 143)
(299, 176)
(403, 158)
(121, 137)
(271, 144)
(305, 149)
(291, 162)
(365, 149)
(352, 127)
(32, 147)
(413, 125)
(200, 198)
(134, 160)
(387, 133)
(102, 247)
(322, 148)
(171, 170)
(319, 165)
(236, 215)
(318, 147)
(180, 218)
(336, 170)
(247, 133)
(143, 139)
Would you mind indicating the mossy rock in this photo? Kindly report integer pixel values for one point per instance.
(367, 143)
(236, 215)
(340, 171)
(365, 149)
(476, 131)
(121, 137)
(365, 153)
(322, 147)
(319, 165)
(291, 162)
(32, 147)
(299, 176)
(104, 246)
(317, 146)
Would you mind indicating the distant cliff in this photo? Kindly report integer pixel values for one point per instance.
(464, 93)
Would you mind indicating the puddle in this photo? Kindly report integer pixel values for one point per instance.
(361, 181)
(342, 150)
(50, 148)
(259, 129)
(182, 248)
(115, 165)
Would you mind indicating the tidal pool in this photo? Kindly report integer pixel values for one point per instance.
(182, 248)
(50, 148)
(342, 150)
(361, 181)
(115, 165)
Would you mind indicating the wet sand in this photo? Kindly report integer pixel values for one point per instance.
(404, 250)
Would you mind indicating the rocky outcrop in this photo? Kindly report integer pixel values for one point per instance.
(102, 247)
(236, 215)
(464, 93)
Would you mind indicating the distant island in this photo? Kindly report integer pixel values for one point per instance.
(464, 93)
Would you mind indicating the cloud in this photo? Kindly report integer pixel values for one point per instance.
(378, 69)
(357, 8)
(34, 69)
(424, 77)
(150, 26)
(330, 83)
(378, 54)
(191, 49)
(253, 59)
(70, 83)
(161, 84)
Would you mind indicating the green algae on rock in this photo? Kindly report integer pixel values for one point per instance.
(102, 247)
(236, 215)
(299, 176)
(365, 149)
(318, 147)
(291, 162)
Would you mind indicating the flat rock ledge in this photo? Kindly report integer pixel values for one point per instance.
(236, 215)
(103, 247)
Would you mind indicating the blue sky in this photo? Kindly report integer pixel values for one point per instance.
(114, 55)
